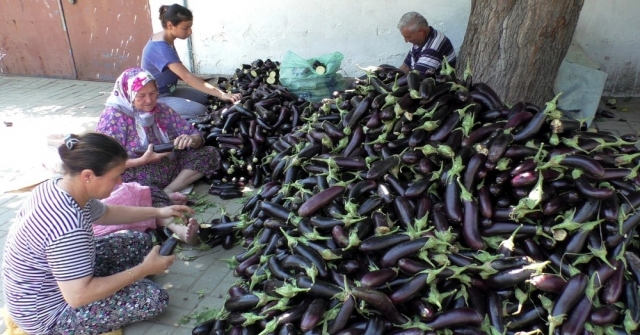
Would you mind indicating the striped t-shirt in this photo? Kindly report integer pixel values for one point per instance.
(431, 53)
(52, 240)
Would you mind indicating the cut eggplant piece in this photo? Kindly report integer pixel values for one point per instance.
(319, 67)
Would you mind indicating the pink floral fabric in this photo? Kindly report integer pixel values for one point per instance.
(137, 84)
(127, 194)
(122, 127)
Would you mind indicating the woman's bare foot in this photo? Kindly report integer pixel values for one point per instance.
(178, 198)
(188, 233)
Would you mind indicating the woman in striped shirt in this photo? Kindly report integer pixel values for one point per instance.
(58, 277)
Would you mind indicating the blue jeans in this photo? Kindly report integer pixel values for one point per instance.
(186, 101)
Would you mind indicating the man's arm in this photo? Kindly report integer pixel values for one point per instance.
(406, 64)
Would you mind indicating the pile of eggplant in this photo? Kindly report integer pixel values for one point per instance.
(244, 132)
(414, 204)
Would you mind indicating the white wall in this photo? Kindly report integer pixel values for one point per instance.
(609, 32)
(228, 33)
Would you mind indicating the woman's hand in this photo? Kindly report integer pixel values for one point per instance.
(233, 97)
(176, 211)
(150, 156)
(154, 263)
(187, 141)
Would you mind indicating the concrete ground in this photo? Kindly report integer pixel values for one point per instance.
(199, 279)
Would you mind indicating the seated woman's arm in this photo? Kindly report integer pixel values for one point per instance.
(199, 84)
(184, 141)
(76, 279)
(115, 214)
(148, 157)
(184, 134)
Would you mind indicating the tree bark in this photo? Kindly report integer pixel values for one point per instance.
(517, 46)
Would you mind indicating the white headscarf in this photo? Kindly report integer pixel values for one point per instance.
(124, 92)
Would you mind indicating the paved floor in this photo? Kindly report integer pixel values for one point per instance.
(38, 107)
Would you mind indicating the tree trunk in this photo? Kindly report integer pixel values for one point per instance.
(516, 47)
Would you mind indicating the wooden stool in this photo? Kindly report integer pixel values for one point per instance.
(115, 332)
(14, 329)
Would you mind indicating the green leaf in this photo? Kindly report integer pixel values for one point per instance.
(232, 263)
(503, 164)
(567, 225)
(629, 324)
(589, 226)
(493, 241)
(209, 314)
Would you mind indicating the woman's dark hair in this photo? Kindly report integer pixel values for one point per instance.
(174, 14)
(94, 151)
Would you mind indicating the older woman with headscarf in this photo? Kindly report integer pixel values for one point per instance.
(135, 118)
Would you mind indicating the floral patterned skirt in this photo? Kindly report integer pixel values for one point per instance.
(137, 302)
(205, 160)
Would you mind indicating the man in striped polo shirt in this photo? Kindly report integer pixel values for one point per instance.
(429, 45)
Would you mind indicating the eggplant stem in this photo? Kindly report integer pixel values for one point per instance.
(395, 83)
(251, 318)
(467, 71)
(522, 297)
(270, 327)
(555, 321)
(600, 253)
(629, 323)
